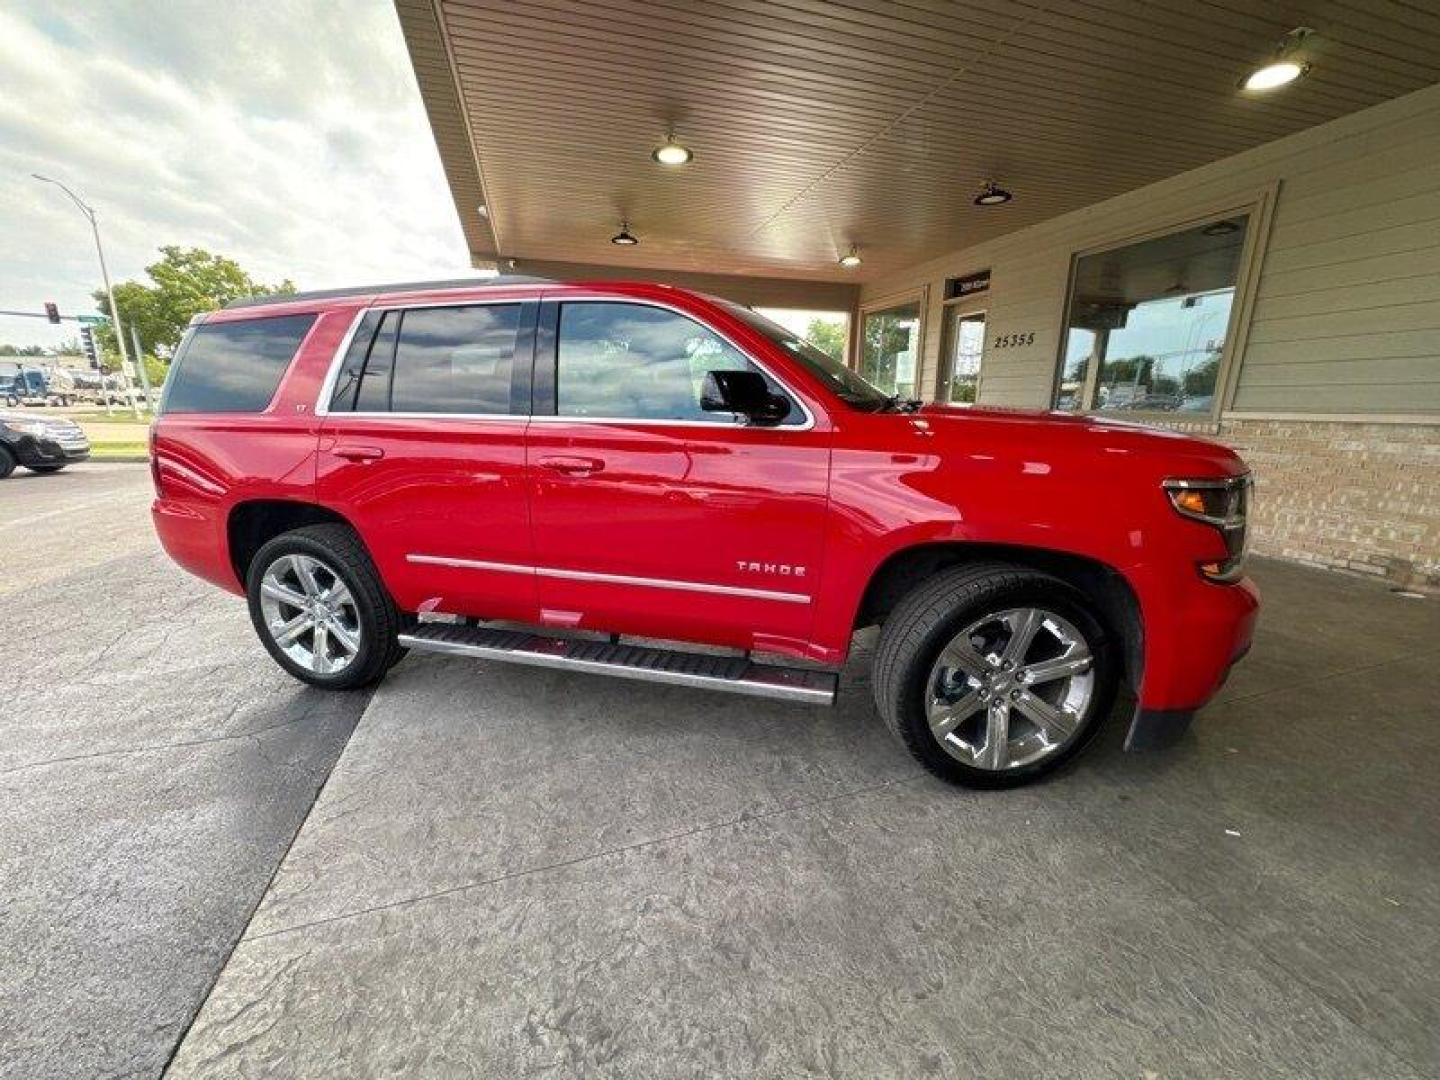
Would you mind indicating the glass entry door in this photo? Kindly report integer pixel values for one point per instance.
(964, 343)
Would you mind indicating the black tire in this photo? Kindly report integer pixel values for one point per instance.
(930, 616)
(7, 462)
(340, 549)
(42, 469)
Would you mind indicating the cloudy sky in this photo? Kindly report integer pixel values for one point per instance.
(288, 135)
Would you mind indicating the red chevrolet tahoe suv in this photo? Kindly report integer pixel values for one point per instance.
(527, 471)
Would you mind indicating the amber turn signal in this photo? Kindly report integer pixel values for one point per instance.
(1190, 502)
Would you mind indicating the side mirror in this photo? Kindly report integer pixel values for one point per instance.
(743, 392)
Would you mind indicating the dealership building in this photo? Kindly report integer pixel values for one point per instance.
(1074, 206)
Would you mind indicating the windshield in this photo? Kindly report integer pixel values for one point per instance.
(844, 383)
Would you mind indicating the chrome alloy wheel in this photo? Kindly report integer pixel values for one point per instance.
(1010, 689)
(310, 614)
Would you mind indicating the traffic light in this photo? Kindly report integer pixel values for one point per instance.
(52, 311)
(87, 342)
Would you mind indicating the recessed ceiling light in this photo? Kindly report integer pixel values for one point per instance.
(992, 194)
(672, 153)
(1277, 74)
(483, 210)
(624, 237)
(851, 258)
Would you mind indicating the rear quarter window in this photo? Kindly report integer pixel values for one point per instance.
(234, 367)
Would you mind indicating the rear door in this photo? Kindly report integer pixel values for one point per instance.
(652, 516)
(423, 449)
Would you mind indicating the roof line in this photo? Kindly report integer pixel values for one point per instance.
(399, 286)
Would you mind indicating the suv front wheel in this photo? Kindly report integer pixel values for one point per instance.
(994, 675)
(321, 610)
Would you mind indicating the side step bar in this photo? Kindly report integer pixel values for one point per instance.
(734, 674)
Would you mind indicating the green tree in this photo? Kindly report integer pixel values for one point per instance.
(185, 282)
(828, 336)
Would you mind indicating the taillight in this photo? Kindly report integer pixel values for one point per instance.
(154, 461)
(1224, 505)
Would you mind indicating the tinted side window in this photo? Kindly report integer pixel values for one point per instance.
(374, 391)
(234, 366)
(633, 361)
(453, 359)
(347, 381)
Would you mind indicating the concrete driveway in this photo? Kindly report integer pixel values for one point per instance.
(153, 771)
(513, 872)
(519, 873)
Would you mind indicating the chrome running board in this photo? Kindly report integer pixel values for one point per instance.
(734, 674)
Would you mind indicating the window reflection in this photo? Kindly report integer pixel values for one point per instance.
(632, 361)
(234, 366)
(450, 360)
(889, 348)
(1147, 322)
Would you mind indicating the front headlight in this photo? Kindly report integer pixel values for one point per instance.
(1223, 504)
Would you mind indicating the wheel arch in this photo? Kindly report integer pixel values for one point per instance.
(253, 523)
(1102, 584)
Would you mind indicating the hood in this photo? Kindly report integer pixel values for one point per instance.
(1066, 436)
(11, 416)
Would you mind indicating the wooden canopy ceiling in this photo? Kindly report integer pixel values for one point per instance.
(818, 124)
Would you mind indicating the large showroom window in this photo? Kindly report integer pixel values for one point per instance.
(890, 348)
(1146, 323)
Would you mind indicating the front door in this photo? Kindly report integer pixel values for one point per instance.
(964, 344)
(423, 450)
(653, 517)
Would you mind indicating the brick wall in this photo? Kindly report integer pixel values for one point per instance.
(1353, 496)
(1350, 496)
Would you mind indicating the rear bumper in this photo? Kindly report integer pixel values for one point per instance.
(194, 536)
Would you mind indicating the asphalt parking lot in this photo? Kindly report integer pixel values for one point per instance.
(153, 771)
(512, 872)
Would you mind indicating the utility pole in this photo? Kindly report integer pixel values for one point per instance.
(89, 213)
(140, 367)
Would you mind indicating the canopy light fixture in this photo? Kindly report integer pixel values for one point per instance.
(624, 237)
(1275, 75)
(671, 152)
(1285, 68)
(483, 210)
(992, 194)
(851, 258)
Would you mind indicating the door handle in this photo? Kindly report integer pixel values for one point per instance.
(572, 466)
(359, 453)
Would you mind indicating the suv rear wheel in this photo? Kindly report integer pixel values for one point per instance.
(994, 675)
(7, 462)
(320, 609)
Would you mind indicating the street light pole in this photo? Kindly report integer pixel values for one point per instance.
(109, 292)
